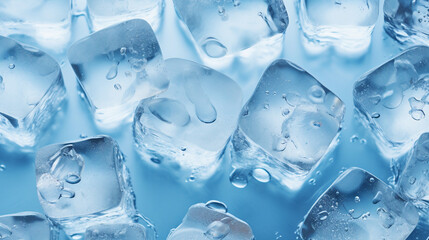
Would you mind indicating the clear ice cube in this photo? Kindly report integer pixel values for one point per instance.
(359, 206)
(211, 221)
(48, 22)
(187, 127)
(116, 68)
(31, 92)
(26, 225)
(407, 21)
(347, 24)
(130, 231)
(287, 126)
(393, 99)
(67, 175)
(104, 13)
(248, 28)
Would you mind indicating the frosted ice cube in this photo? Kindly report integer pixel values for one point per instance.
(47, 21)
(26, 225)
(249, 28)
(347, 24)
(392, 100)
(131, 231)
(359, 206)
(104, 13)
(186, 128)
(31, 91)
(407, 21)
(116, 68)
(211, 221)
(287, 126)
(68, 175)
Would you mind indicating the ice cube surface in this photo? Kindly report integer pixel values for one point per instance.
(211, 221)
(393, 99)
(105, 13)
(117, 67)
(290, 122)
(26, 225)
(67, 175)
(407, 21)
(359, 206)
(33, 82)
(129, 231)
(186, 128)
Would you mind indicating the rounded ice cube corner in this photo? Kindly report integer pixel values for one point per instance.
(33, 81)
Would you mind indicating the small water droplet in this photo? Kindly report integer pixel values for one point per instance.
(2, 167)
(316, 124)
(285, 112)
(323, 215)
(366, 215)
(155, 160)
(213, 48)
(183, 149)
(11, 66)
(417, 114)
(191, 178)
(236, 3)
(312, 181)
(73, 179)
(316, 94)
(83, 135)
(357, 199)
(117, 86)
(239, 178)
(371, 180)
(217, 206)
(266, 106)
(363, 141)
(261, 175)
(112, 73)
(354, 138)
(351, 211)
(279, 144)
(377, 198)
(375, 115)
(412, 180)
(123, 51)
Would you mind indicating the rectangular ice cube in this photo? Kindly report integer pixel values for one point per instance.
(254, 28)
(130, 231)
(187, 127)
(104, 13)
(31, 91)
(116, 68)
(287, 126)
(211, 221)
(407, 21)
(26, 225)
(359, 206)
(47, 21)
(84, 183)
(392, 100)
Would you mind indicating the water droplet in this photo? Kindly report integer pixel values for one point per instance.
(375, 115)
(357, 199)
(221, 10)
(183, 149)
(191, 178)
(363, 141)
(416, 104)
(351, 211)
(371, 180)
(77, 236)
(316, 124)
(112, 73)
(123, 51)
(218, 230)
(155, 160)
(73, 179)
(261, 175)
(279, 144)
(83, 135)
(245, 111)
(213, 48)
(366, 215)
(375, 99)
(411, 180)
(138, 65)
(239, 178)
(117, 86)
(285, 112)
(217, 206)
(293, 99)
(204, 108)
(170, 111)
(377, 198)
(312, 181)
(354, 138)
(66, 193)
(417, 114)
(266, 106)
(267, 92)
(316, 94)
(392, 98)
(11, 66)
(387, 220)
(323, 215)
(2, 167)
(236, 3)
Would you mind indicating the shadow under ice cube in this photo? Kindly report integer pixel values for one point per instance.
(31, 92)
(393, 99)
(287, 126)
(116, 67)
(26, 225)
(187, 127)
(359, 206)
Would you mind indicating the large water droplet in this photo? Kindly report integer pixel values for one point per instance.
(218, 230)
(239, 178)
(261, 175)
(170, 111)
(49, 188)
(113, 72)
(217, 206)
(204, 109)
(213, 48)
(67, 165)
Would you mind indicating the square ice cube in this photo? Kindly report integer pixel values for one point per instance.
(84, 183)
(407, 21)
(347, 24)
(117, 67)
(187, 127)
(116, 231)
(287, 125)
(26, 225)
(31, 91)
(104, 13)
(413, 181)
(393, 99)
(211, 221)
(47, 21)
(359, 206)
(251, 27)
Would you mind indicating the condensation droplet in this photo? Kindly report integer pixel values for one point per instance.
(417, 114)
(375, 115)
(217, 206)
(112, 73)
(117, 86)
(323, 215)
(239, 178)
(412, 180)
(213, 48)
(377, 198)
(312, 181)
(357, 199)
(11, 66)
(261, 175)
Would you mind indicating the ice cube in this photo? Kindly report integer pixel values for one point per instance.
(392, 100)
(211, 221)
(104, 13)
(407, 21)
(287, 126)
(116, 68)
(47, 21)
(346, 24)
(67, 176)
(248, 28)
(26, 225)
(129, 231)
(359, 206)
(414, 178)
(187, 127)
(31, 91)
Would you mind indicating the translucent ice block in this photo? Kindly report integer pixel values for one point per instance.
(186, 128)
(116, 68)
(84, 183)
(104, 13)
(359, 206)
(130, 231)
(211, 221)
(407, 21)
(392, 100)
(287, 126)
(31, 91)
(26, 226)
